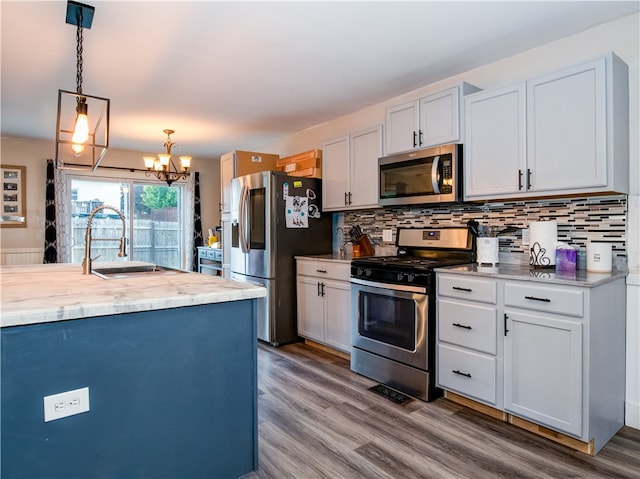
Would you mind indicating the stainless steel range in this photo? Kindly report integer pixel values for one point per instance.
(393, 323)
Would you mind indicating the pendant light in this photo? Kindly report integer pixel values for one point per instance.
(163, 166)
(82, 131)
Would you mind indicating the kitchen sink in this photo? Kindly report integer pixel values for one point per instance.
(134, 271)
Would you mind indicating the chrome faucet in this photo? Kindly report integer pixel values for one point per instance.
(87, 260)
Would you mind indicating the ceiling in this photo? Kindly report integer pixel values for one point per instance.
(237, 75)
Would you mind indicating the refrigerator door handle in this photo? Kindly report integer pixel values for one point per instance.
(242, 220)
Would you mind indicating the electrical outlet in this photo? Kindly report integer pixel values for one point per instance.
(525, 237)
(387, 236)
(66, 404)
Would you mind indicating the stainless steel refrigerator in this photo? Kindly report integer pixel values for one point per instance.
(275, 217)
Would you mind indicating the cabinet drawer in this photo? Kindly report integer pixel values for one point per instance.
(458, 286)
(468, 373)
(468, 325)
(324, 269)
(556, 299)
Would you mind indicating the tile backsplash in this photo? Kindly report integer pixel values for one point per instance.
(580, 220)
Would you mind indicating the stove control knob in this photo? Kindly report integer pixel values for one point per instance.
(359, 272)
(400, 276)
(410, 278)
(368, 272)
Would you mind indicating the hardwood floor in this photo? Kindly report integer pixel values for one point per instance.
(317, 419)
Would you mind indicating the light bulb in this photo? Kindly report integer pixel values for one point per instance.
(149, 161)
(164, 159)
(81, 129)
(185, 162)
(77, 148)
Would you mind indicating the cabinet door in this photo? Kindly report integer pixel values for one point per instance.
(567, 129)
(310, 308)
(227, 172)
(495, 156)
(335, 174)
(401, 127)
(365, 149)
(337, 333)
(543, 370)
(440, 118)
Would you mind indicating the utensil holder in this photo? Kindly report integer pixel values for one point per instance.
(366, 248)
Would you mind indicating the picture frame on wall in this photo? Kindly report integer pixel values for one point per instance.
(13, 199)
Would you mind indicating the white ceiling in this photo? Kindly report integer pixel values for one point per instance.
(236, 75)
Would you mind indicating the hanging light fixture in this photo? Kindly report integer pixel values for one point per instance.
(163, 167)
(82, 131)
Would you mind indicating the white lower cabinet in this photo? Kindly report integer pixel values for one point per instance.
(548, 353)
(543, 370)
(467, 337)
(324, 298)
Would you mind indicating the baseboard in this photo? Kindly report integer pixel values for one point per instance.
(632, 414)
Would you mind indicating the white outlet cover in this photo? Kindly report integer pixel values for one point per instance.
(525, 237)
(66, 404)
(387, 235)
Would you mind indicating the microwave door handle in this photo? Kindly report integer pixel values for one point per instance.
(435, 177)
(242, 220)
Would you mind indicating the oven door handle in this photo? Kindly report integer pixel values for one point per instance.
(395, 287)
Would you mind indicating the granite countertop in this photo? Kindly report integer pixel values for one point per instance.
(525, 272)
(328, 257)
(56, 292)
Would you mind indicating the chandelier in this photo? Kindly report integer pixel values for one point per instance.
(163, 166)
(82, 130)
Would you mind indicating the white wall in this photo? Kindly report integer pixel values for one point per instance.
(621, 37)
(33, 153)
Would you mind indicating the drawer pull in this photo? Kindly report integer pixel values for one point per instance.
(533, 298)
(458, 288)
(321, 271)
(466, 375)
(458, 325)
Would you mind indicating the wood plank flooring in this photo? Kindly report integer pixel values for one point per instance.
(317, 419)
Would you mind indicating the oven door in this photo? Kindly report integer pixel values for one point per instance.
(390, 321)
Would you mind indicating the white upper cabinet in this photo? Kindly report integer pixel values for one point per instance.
(561, 134)
(401, 127)
(429, 121)
(566, 138)
(495, 154)
(335, 173)
(365, 149)
(350, 170)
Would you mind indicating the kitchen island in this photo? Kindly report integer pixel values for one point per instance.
(169, 362)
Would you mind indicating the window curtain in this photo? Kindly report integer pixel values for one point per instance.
(197, 222)
(50, 235)
(63, 216)
(189, 226)
(57, 237)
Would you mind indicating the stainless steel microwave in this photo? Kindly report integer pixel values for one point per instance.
(430, 175)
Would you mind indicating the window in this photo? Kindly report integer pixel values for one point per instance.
(154, 220)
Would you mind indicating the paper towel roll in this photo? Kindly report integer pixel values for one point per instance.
(543, 236)
(599, 257)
